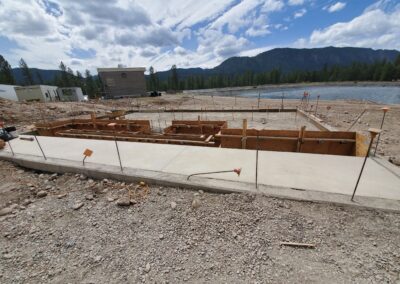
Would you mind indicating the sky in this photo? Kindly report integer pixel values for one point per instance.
(88, 34)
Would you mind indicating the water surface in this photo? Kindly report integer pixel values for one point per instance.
(378, 94)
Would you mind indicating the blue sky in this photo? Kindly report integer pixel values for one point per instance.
(90, 34)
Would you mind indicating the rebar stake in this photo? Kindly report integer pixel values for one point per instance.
(238, 170)
(373, 132)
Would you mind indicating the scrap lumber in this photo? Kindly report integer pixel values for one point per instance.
(299, 245)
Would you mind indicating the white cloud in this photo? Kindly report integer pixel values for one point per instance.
(300, 13)
(336, 7)
(295, 2)
(235, 18)
(373, 28)
(254, 32)
(272, 6)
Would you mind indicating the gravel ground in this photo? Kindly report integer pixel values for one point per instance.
(77, 233)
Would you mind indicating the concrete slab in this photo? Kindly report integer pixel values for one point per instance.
(259, 120)
(203, 159)
(311, 173)
(328, 173)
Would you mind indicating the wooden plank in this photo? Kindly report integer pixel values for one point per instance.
(300, 140)
(361, 146)
(244, 132)
(300, 245)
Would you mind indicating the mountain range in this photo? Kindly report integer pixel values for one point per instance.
(284, 59)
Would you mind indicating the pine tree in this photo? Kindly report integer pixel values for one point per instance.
(64, 82)
(6, 75)
(26, 72)
(90, 88)
(153, 82)
(174, 78)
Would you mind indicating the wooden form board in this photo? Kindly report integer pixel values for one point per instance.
(50, 129)
(195, 127)
(160, 138)
(361, 145)
(317, 142)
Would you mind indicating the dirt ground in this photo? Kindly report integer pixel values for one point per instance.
(70, 229)
(76, 233)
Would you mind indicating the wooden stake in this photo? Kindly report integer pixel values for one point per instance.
(244, 133)
(300, 140)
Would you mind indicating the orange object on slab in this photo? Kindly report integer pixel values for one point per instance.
(88, 153)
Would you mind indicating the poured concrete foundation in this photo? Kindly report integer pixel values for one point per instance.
(305, 176)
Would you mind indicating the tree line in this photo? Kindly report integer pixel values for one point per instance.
(378, 71)
(89, 84)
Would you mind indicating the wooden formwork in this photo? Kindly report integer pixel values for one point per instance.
(52, 128)
(201, 127)
(122, 130)
(212, 134)
(316, 142)
(194, 140)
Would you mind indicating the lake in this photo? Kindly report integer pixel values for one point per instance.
(378, 94)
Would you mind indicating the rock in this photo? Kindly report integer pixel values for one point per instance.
(123, 202)
(173, 205)
(196, 203)
(98, 258)
(142, 183)
(161, 236)
(110, 199)
(61, 195)
(89, 197)
(5, 211)
(82, 177)
(41, 193)
(26, 202)
(77, 206)
(201, 191)
(147, 268)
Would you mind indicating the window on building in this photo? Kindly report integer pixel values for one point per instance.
(124, 75)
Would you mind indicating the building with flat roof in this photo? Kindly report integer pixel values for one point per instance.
(123, 82)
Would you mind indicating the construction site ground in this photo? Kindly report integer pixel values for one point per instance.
(68, 228)
(77, 234)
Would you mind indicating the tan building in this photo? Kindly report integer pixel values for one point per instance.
(123, 82)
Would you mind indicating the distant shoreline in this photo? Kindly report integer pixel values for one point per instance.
(298, 85)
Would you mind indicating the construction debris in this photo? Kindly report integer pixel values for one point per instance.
(300, 245)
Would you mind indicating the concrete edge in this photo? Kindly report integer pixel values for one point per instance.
(98, 171)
